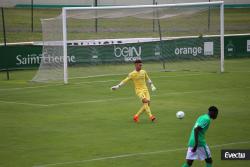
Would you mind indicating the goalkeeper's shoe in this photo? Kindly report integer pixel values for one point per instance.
(136, 118)
(152, 118)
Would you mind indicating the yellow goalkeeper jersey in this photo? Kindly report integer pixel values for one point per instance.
(139, 78)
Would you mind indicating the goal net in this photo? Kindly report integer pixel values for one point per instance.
(99, 41)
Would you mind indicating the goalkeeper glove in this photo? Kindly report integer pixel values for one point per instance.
(153, 88)
(116, 86)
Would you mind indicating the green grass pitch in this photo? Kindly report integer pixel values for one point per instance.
(84, 124)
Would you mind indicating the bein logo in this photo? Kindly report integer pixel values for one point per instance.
(235, 154)
(130, 53)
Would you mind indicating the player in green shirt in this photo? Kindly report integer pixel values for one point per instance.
(197, 146)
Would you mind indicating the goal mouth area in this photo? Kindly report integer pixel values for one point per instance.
(93, 41)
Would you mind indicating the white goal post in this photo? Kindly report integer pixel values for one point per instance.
(153, 12)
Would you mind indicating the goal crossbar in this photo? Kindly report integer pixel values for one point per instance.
(143, 6)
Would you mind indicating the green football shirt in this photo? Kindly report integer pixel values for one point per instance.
(203, 121)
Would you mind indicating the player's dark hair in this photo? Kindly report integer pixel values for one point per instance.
(138, 61)
(213, 109)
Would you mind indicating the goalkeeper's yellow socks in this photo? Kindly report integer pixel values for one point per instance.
(148, 111)
(136, 116)
(185, 165)
(146, 108)
(140, 111)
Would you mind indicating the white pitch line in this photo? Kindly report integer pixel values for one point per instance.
(240, 71)
(88, 82)
(113, 99)
(188, 75)
(95, 76)
(135, 154)
(124, 74)
(29, 87)
(125, 98)
(23, 103)
(53, 85)
(91, 101)
(102, 81)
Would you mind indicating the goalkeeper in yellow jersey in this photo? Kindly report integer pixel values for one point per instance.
(140, 79)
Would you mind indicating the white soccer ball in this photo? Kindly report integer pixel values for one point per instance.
(180, 114)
